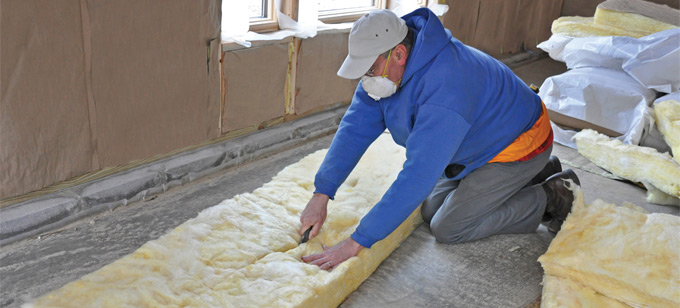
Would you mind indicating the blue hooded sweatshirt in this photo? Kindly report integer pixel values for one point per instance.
(455, 106)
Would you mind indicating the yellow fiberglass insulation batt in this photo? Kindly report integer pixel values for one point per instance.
(608, 23)
(667, 114)
(619, 252)
(244, 251)
(635, 163)
(559, 292)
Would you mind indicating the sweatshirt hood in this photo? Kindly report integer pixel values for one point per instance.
(430, 38)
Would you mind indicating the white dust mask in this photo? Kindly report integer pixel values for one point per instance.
(379, 87)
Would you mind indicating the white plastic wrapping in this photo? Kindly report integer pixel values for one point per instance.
(308, 16)
(604, 97)
(235, 21)
(554, 46)
(653, 60)
(657, 65)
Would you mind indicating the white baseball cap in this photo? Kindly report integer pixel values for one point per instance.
(371, 35)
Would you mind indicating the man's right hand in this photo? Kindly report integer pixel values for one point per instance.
(314, 215)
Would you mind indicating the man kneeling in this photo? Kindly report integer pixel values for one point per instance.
(478, 140)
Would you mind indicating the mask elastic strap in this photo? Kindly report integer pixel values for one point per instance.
(385, 69)
(386, 63)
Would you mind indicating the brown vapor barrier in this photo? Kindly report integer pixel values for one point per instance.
(255, 82)
(317, 65)
(500, 27)
(296, 77)
(86, 84)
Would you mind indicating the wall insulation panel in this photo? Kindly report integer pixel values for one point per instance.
(255, 80)
(87, 84)
(501, 27)
(318, 85)
(45, 132)
(149, 77)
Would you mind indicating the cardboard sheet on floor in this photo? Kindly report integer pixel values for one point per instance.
(244, 252)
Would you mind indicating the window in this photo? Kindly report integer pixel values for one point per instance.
(335, 5)
(347, 10)
(261, 15)
(257, 9)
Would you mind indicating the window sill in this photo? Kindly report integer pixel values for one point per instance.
(328, 28)
(231, 46)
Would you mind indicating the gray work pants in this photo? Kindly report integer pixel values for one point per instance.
(493, 199)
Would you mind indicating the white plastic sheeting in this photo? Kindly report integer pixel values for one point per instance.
(612, 80)
(235, 22)
(554, 46)
(606, 97)
(653, 60)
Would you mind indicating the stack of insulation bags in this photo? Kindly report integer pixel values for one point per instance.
(618, 63)
(619, 105)
(623, 82)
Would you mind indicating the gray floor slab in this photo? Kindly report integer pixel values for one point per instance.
(499, 271)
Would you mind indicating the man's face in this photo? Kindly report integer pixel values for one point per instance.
(395, 65)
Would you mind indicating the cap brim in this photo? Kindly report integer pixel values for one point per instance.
(354, 68)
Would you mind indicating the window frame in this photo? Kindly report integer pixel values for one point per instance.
(350, 15)
(289, 8)
(266, 24)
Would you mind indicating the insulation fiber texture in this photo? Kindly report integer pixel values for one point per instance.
(634, 163)
(608, 23)
(244, 251)
(606, 254)
(667, 114)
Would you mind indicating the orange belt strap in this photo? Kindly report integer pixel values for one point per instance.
(528, 142)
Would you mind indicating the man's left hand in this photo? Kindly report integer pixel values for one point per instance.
(333, 256)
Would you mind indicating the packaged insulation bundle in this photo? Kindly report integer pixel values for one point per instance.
(633, 18)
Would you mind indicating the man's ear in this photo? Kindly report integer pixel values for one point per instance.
(401, 54)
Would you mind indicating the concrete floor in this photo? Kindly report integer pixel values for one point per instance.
(499, 271)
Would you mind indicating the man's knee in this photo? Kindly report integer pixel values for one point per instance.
(429, 208)
(449, 233)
